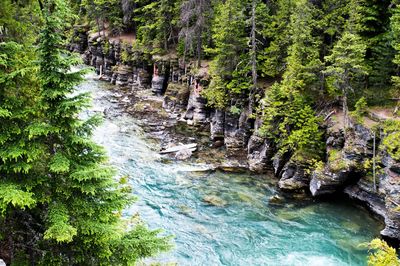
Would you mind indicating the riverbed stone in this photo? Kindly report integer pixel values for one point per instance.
(215, 200)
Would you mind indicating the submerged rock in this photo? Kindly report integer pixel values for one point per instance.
(215, 200)
(275, 199)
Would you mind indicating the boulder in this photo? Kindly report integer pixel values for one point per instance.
(214, 200)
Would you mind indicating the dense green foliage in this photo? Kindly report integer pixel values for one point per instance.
(391, 140)
(60, 203)
(313, 55)
(381, 254)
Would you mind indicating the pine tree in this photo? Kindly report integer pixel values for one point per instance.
(20, 155)
(83, 201)
(346, 65)
(395, 32)
(194, 17)
(288, 117)
(276, 32)
(59, 200)
(157, 22)
(230, 66)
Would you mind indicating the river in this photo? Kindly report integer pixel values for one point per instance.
(247, 228)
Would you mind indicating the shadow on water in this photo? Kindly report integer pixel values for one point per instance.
(225, 218)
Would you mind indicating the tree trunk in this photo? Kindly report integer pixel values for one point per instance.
(199, 48)
(253, 56)
(345, 110)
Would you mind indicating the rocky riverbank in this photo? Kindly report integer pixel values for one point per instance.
(171, 93)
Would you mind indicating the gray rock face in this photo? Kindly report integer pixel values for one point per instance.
(278, 162)
(160, 77)
(124, 75)
(260, 152)
(335, 139)
(196, 111)
(176, 97)
(157, 84)
(293, 178)
(236, 131)
(346, 166)
(217, 125)
(327, 182)
(105, 56)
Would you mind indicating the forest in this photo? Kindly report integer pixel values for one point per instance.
(286, 66)
(311, 55)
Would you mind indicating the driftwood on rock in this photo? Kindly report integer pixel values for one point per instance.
(192, 147)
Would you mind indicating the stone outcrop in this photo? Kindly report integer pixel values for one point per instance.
(217, 125)
(160, 77)
(293, 177)
(260, 152)
(236, 130)
(116, 61)
(196, 112)
(346, 154)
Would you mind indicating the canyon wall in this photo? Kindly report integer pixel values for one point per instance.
(347, 151)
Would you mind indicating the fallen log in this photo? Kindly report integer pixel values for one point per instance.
(192, 147)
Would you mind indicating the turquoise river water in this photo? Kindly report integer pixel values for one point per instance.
(248, 229)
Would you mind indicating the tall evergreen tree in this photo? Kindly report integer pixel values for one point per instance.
(395, 32)
(287, 114)
(59, 200)
(83, 197)
(20, 154)
(346, 65)
(194, 17)
(157, 23)
(230, 66)
(278, 38)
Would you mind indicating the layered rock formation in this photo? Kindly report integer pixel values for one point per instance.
(347, 152)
